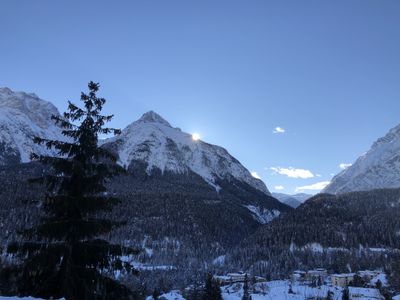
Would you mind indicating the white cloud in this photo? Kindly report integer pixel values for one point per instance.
(313, 187)
(344, 166)
(279, 130)
(293, 173)
(255, 175)
(279, 188)
(318, 175)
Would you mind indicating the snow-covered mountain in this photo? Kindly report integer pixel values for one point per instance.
(152, 140)
(22, 117)
(378, 168)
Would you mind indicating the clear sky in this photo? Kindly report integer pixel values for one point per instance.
(326, 72)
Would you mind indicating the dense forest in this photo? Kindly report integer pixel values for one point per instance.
(342, 233)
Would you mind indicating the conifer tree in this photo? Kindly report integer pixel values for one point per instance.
(329, 296)
(212, 289)
(246, 288)
(64, 254)
(345, 294)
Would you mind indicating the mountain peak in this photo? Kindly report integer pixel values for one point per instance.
(5, 90)
(378, 168)
(22, 117)
(152, 140)
(153, 117)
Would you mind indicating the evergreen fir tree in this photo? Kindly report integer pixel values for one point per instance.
(156, 294)
(246, 288)
(212, 289)
(64, 255)
(290, 290)
(345, 294)
(378, 284)
(329, 296)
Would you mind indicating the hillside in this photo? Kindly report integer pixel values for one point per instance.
(352, 230)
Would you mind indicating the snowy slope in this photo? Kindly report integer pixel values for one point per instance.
(152, 140)
(22, 117)
(378, 168)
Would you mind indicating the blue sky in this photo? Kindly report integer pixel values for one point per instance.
(327, 72)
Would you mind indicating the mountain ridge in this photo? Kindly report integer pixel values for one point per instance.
(378, 168)
(22, 117)
(150, 139)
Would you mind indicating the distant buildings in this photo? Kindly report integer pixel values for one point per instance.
(237, 277)
(319, 276)
(315, 275)
(342, 280)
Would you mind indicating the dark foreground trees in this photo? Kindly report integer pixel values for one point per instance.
(64, 255)
(212, 290)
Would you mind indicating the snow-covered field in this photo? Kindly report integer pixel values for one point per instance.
(15, 298)
(19, 298)
(280, 290)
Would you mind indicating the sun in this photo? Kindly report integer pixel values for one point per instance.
(195, 136)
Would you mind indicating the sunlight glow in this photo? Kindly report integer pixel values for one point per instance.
(195, 136)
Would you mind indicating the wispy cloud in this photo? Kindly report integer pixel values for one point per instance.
(255, 175)
(293, 172)
(279, 187)
(344, 166)
(278, 130)
(313, 187)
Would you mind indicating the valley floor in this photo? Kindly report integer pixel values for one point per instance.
(279, 290)
(272, 290)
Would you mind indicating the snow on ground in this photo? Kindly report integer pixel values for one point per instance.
(382, 277)
(364, 293)
(263, 216)
(279, 290)
(19, 298)
(220, 260)
(173, 295)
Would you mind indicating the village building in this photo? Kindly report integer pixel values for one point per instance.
(237, 277)
(317, 274)
(299, 276)
(342, 280)
(314, 275)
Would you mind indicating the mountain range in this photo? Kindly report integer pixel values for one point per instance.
(185, 202)
(150, 140)
(192, 207)
(294, 200)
